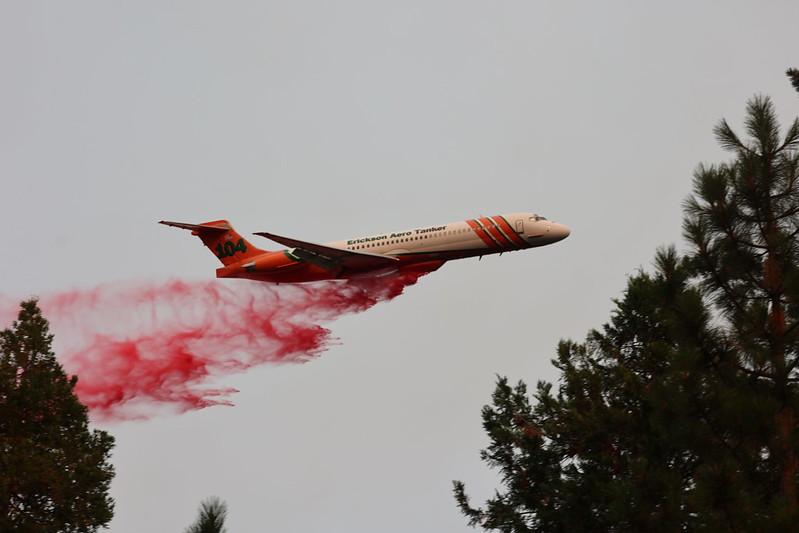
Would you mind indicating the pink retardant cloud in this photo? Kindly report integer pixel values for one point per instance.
(144, 349)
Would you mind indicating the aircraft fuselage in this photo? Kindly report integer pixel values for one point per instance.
(423, 248)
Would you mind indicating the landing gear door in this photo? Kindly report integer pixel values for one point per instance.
(520, 226)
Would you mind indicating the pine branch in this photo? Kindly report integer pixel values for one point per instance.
(788, 213)
(761, 123)
(211, 519)
(475, 516)
(754, 373)
(727, 138)
(791, 137)
(793, 75)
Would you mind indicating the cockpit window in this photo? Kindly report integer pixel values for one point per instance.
(537, 218)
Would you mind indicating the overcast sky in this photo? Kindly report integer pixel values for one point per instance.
(327, 120)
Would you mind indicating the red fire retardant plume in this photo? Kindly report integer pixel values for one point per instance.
(139, 350)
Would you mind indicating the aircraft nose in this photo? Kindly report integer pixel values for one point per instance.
(558, 232)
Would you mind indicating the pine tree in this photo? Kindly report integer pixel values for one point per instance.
(681, 413)
(211, 518)
(54, 472)
(743, 221)
(618, 446)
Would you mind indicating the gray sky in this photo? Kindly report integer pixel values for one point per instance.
(325, 120)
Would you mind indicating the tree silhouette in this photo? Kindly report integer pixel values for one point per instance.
(54, 472)
(211, 517)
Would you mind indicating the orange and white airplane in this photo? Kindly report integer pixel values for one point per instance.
(423, 249)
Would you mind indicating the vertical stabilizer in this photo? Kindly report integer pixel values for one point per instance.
(223, 241)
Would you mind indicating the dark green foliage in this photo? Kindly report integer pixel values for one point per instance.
(211, 519)
(793, 74)
(743, 222)
(54, 472)
(681, 413)
(610, 450)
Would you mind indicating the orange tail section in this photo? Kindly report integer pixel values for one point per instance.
(223, 241)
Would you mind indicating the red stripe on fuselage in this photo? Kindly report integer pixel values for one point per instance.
(502, 223)
(482, 234)
(503, 241)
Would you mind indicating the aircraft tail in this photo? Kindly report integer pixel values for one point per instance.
(220, 237)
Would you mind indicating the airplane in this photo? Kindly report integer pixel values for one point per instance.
(423, 249)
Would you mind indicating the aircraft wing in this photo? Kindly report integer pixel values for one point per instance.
(332, 258)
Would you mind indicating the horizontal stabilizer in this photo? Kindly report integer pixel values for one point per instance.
(195, 227)
(330, 257)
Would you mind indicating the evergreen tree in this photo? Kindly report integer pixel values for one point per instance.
(211, 518)
(54, 472)
(681, 414)
(743, 221)
(617, 447)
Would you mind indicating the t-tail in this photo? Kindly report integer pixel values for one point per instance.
(223, 241)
